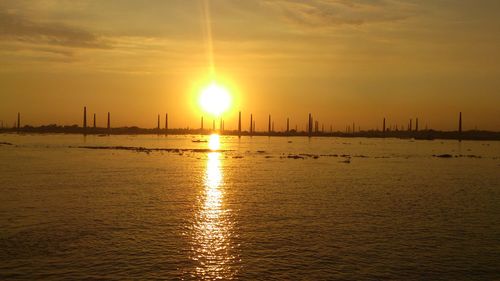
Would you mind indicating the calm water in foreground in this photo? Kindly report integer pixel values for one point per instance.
(387, 209)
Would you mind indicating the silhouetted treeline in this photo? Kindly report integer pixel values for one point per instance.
(422, 134)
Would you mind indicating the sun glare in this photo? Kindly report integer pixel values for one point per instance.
(215, 99)
(214, 142)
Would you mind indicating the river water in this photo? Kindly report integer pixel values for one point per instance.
(256, 208)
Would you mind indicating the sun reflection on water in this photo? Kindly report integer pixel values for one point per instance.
(214, 142)
(212, 245)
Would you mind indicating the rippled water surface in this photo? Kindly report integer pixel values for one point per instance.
(255, 209)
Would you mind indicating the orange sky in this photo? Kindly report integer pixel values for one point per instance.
(343, 61)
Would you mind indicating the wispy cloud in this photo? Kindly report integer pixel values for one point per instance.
(323, 13)
(15, 27)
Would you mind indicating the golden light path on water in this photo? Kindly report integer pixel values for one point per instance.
(212, 245)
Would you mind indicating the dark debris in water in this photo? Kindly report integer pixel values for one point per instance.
(5, 143)
(183, 151)
(180, 151)
(446, 155)
(443, 155)
(293, 156)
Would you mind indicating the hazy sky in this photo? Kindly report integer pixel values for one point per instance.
(344, 61)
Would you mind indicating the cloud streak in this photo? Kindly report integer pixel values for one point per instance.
(325, 14)
(15, 27)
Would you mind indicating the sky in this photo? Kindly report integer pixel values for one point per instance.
(343, 61)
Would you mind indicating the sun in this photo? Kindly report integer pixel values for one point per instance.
(215, 99)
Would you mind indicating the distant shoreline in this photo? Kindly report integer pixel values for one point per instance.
(417, 135)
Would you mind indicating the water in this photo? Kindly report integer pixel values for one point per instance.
(387, 209)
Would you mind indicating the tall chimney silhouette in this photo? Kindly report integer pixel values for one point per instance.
(251, 124)
(158, 123)
(353, 127)
(410, 128)
(85, 117)
(383, 125)
(202, 123)
(239, 124)
(213, 125)
(269, 124)
(416, 125)
(94, 121)
(309, 125)
(287, 125)
(460, 126)
(166, 122)
(109, 121)
(18, 120)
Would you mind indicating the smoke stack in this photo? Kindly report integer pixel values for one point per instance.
(383, 125)
(416, 125)
(85, 117)
(94, 121)
(269, 124)
(166, 122)
(251, 123)
(109, 121)
(18, 120)
(239, 123)
(202, 123)
(158, 123)
(287, 125)
(309, 125)
(460, 126)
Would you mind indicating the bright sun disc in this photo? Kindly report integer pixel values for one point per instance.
(215, 99)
